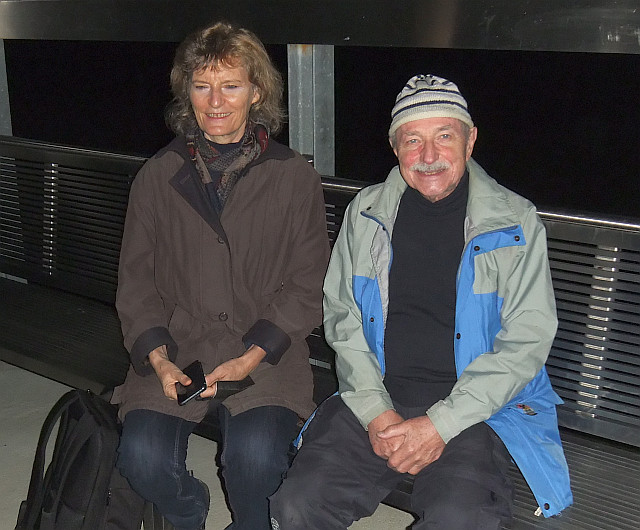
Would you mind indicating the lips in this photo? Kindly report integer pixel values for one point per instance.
(432, 173)
(218, 115)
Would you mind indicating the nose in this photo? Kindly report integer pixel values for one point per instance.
(429, 153)
(215, 97)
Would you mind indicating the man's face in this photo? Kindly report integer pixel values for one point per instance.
(432, 153)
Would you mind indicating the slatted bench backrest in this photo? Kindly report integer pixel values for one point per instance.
(61, 218)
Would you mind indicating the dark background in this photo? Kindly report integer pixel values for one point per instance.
(559, 128)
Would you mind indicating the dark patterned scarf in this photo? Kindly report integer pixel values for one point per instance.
(220, 171)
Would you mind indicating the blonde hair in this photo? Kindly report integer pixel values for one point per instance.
(225, 44)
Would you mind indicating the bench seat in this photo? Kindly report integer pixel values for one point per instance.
(63, 336)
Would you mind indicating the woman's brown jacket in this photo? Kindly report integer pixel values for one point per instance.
(209, 287)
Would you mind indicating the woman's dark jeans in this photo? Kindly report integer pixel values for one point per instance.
(255, 455)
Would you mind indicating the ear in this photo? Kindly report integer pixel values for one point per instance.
(473, 135)
(394, 149)
(256, 95)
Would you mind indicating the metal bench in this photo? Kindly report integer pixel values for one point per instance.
(61, 217)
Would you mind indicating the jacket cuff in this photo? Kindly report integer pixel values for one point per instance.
(270, 338)
(365, 418)
(148, 341)
(444, 422)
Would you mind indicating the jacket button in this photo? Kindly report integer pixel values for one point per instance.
(517, 238)
(372, 319)
(220, 240)
(476, 248)
(546, 506)
(223, 316)
(457, 335)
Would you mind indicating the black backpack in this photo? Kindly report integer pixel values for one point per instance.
(81, 489)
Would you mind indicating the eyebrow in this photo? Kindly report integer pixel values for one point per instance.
(226, 81)
(195, 78)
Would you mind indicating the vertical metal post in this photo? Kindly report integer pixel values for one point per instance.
(5, 111)
(312, 104)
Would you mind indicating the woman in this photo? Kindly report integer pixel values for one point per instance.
(222, 261)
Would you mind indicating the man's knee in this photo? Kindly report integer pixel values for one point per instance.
(462, 504)
(453, 516)
(295, 504)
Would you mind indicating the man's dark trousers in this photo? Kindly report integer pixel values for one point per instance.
(336, 478)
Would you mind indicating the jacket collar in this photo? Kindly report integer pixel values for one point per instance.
(188, 184)
(488, 206)
(385, 203)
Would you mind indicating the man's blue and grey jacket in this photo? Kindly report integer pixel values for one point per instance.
(505, 325)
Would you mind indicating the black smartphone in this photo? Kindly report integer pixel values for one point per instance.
(228, 388)
(197, 386)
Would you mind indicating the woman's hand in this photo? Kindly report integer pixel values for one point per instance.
(168, 373)
(234, 369)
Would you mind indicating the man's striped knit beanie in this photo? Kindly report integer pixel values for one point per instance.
(428, 96)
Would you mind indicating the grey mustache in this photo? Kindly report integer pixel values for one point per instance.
(422, 167)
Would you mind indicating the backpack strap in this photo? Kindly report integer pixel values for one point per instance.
(35, 496)
(74, 432)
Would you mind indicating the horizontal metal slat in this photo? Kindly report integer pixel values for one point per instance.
(600, 391)
(607, 364)
(569, 250)
(616, 310)
(625, 258)
(569, 244)
(589, 373)
(577, 342)
(89, 242)
(620, 324)
(109, 177)
(565, 376)
(117, 186)
(104, 271)
(615, 314)
(20, 148)
(618, 336)
(579, 332)
(604, 410)
(562, 279)
(76, 225)
(592, 344)
(625, 395)
(581, 271)
(89, 200)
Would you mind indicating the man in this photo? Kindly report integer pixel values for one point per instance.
(439, 305)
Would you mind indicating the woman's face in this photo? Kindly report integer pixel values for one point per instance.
(221, 97)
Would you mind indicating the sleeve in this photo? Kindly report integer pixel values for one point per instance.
(359, 374)
(141, 310)
(521, 347)
(297, 307)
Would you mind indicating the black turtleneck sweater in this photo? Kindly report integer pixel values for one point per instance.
(428, 241)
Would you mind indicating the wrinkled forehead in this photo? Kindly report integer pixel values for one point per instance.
(434, 124)
(217, 64)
